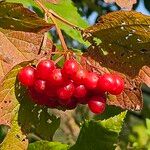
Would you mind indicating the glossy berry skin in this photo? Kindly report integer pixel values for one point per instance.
(66, 92)
(79, 76)
(111, 83)
(118, 86)
(91, 80)
(80, 91)
(39, 85)
(70, 67)
(106, 83)
(44, 69)
(97, 104)
(56, 77)
(26, 76)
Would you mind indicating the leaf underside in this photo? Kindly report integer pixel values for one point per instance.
(125, 37)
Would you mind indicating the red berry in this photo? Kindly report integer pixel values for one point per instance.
(56, 77)
(39, 85)
(26, 76)
(118, 85)
(91, 80)
(44, 69)
(66, 91)
(70, 67)
(79, 76)
(105, 83)
(97, 104)
(80, 91)
(38, 98)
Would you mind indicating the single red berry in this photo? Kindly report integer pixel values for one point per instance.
(79, 76)
(118, 85)
(56, 77)
(97, 104)
(26, 76)
(39, 85)
(44, 69)
(70, 67)
(91, 80)
(66, 91)
(38, 98)
(80, 91)
(106, 83)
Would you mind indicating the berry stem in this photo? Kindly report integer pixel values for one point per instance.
(57, 16)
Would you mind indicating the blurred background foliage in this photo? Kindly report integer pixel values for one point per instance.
(136, 130)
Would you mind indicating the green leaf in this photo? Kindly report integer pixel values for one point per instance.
(148, 126)
(125, 45)
(45, 145)
(67, 10)
(14, 16)
(100, 135)
(15, 138)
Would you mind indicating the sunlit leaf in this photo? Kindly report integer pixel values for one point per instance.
(15, 138)
(45, 145)
(99, 135)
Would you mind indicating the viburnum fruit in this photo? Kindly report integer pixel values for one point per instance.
(80, 91)
(66, 87)
(39, 85)
(105, 82)
(56, 77)
(26, 76)
(65, 92)
(111, 83)
(97, 104)
(70, 67)
(91, 80)
(118, 85)
(44, 69)
(79, 76)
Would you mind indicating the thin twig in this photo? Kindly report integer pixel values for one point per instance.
(54, 21)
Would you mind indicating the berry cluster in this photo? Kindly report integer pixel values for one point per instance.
(68, 86)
